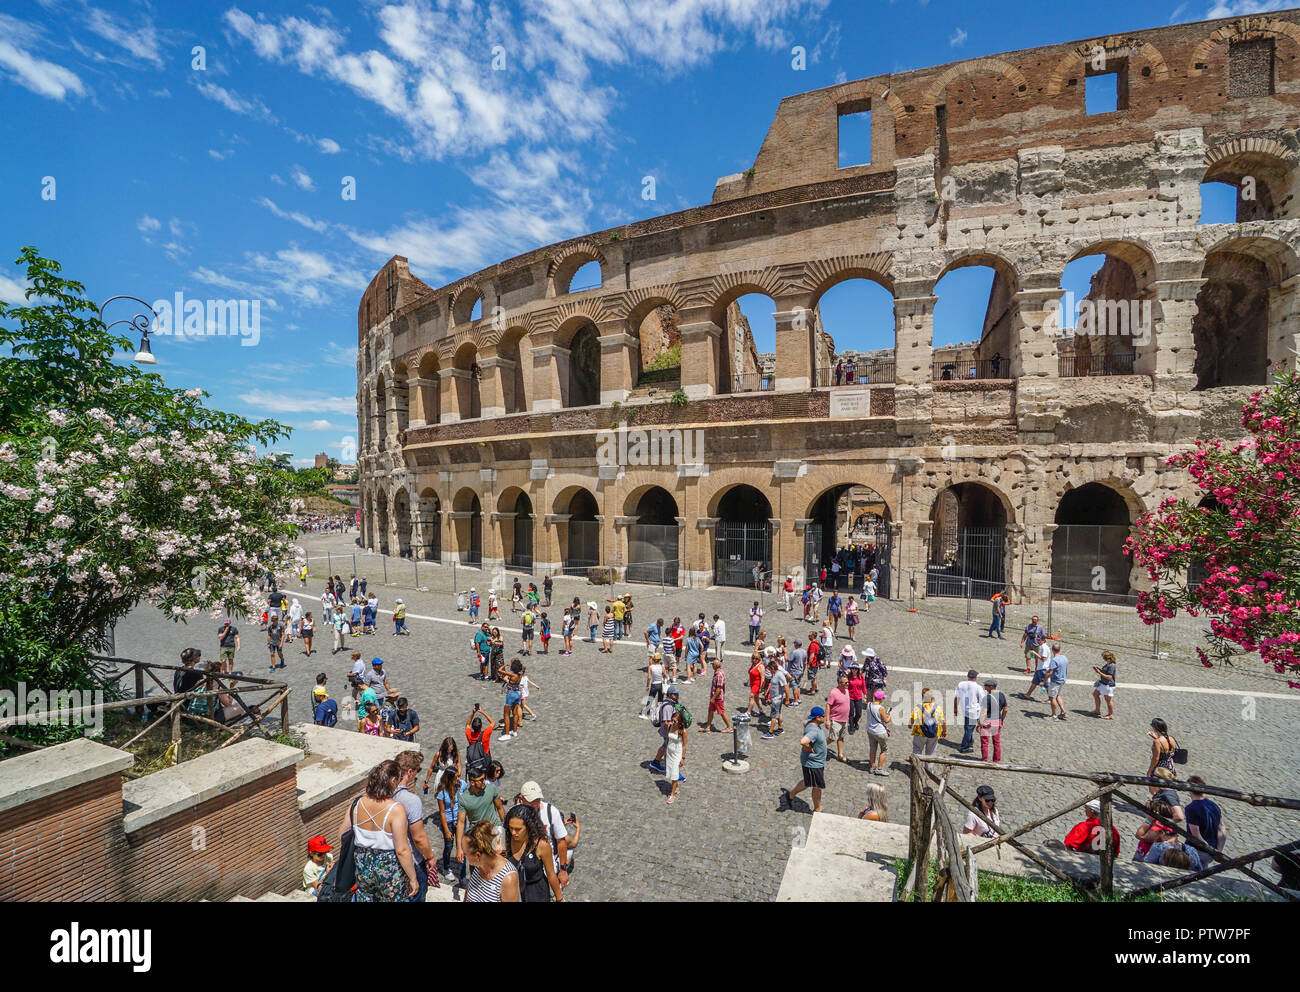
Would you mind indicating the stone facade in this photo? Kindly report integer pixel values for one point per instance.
(991, 161)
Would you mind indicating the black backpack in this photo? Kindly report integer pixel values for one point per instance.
(338, 883)
(476, 755)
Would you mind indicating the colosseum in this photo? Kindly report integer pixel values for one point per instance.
(506, 420)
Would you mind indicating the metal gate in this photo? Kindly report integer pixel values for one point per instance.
(812, 551)
(1088, 558)
(738, 548)
(522, 558)
(582, 550)
(474, 554)
(652, 553)
(881, 558)
(975, 554)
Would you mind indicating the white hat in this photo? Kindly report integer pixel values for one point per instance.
(398, 599)
(472, 589)
(592, 604)
(491, 592)
(868, 653)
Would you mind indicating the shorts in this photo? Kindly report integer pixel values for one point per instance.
(851, 619)
(513, 697)
(879, 742)
(814, 778)
(718, 706)
(228, 654)
(651, 650)
(1053, 691)
(1104, 689)
(871, 599)
(1039, 677)
(775, 711)
(838, 731)
(528, 633)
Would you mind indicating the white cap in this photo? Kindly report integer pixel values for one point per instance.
(868, 653)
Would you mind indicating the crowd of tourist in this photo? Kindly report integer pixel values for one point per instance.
(523, 851)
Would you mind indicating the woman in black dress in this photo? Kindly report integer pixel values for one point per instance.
(531, 855)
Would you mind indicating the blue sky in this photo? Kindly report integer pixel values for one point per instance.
(225, 181)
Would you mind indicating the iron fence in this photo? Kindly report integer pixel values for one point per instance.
(860, 373)
(951, 369)
(1074, 366)
(752, 382)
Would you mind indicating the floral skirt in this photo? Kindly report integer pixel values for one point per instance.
(379, 876)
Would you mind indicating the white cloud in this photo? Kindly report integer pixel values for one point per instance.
(300, 177)
(219, 156)
(235, 103)
(280, 401)
(319, 226)
(308, 462)
(11, 290)
(433, 69)
(1236, 8)
(336, 354)
(36, 74)
(140, 38)
(958, 39)
(147, 224)
(328, 146)
(321, 425)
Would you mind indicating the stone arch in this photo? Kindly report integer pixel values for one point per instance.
(512, 348)
(832, 519)
(881, 98)
(516, 519)
(995, 354)
(1120, 299)
(580, 379)
(742, 536)
(651, 500)
(1141, 57)
(967, 547)
(466, 377)
(467, 519)
(579, 530)
(429, 391)
(402, 521)
(428, 525)
(462, 301)
(381, 413)
(653, 535)
(1244, 310)
(1263, 172)
(380, 500)
(569, 260)
(1092, 522)
(979, 67)
(1242, 29)
(823, 273)
(726, 289)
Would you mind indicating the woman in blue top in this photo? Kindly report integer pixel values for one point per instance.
(450, 786)
(833, 609)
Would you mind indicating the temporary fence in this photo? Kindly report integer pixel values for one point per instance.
(1089, 618)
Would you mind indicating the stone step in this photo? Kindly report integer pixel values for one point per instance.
(844, 859)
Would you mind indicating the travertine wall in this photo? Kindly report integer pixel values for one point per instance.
(991, 161)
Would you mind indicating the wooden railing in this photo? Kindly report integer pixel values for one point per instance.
(957, 867)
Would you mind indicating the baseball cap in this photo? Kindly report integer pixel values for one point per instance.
(986, 792)
(398, 599)
(816, 711)
(320, 690)
(319, 845)
(672, 690)
(531, 791)
(992, 682)
(880, 694)
(376, 661)
(755, 602)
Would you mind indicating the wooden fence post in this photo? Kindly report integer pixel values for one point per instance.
(1107, 847)
(139, 691)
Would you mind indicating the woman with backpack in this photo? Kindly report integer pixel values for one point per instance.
(385, 869)
(928, 725)
(529, 851)
(1163, 747)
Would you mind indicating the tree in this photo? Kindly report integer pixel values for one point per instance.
(1244, 534)
(115, 489)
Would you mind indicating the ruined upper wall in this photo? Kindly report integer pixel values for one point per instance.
(987, 109)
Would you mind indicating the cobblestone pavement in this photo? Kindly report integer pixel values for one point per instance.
(724, 838)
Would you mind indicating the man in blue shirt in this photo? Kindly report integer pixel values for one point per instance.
(812, 759)
(653, 636)
(1033, 636)
(482, 641)
(327, 712)
(1057, 670)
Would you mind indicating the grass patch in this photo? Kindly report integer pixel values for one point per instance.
(994, 887)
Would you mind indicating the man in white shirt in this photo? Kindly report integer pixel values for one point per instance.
(719, 635)
(1043, 661)
(755, 622)
(966, 704)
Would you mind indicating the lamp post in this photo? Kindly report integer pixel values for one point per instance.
(140, 323)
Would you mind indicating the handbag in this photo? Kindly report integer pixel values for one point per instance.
(338, 883)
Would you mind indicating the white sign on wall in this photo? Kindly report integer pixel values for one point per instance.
(850, 404)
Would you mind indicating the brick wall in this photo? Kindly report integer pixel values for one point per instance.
(66, 846)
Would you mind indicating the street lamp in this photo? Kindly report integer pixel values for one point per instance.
(140, 322)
